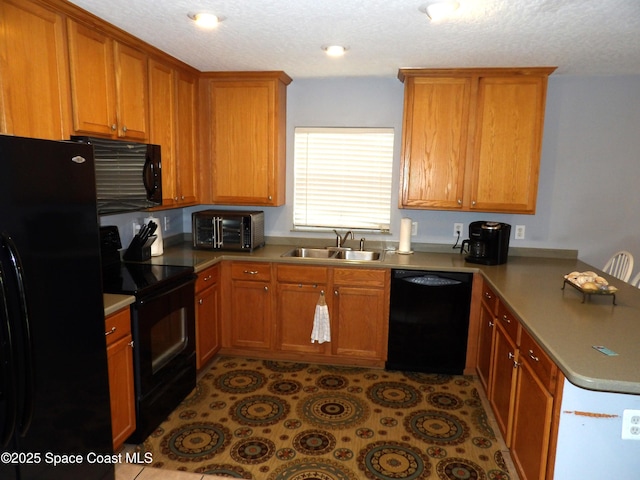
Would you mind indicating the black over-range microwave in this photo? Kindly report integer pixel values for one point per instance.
(128, 174)
(228, 229)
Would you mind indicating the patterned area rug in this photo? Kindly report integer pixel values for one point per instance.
(271, 420)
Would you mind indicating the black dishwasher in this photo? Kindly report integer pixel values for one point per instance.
(429, 321)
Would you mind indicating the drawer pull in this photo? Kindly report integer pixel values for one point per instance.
(266, 289)
(207, 278)
(200, 301)
(533, 357)
(487, 295)
(251, 272)
(505, 318)
(110, 332)
(490, 324)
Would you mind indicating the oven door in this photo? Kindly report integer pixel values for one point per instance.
(164, 336)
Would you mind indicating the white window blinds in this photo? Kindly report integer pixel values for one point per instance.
(343, 177)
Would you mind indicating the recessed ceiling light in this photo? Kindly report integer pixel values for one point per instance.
(440, 10)
(335, 50)
(205, 20)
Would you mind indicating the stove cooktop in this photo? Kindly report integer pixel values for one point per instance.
(142, 278)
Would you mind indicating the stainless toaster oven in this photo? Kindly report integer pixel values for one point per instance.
(228, 229)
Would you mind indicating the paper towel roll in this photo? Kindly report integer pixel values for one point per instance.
(405, 235)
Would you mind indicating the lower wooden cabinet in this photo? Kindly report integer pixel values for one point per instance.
(207, 315)
(486, 332)
(249, 319)
(361, 313)
(525, 393)
(298, 290)
(121, 388)
(273, 314)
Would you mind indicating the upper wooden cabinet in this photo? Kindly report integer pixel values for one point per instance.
(109, 89)
(34, 100)
(172, 125)
(472, 138)
(247, 117)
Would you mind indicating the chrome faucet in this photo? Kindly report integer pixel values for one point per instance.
(340, 240)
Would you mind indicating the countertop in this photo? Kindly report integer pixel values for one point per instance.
(566, 328)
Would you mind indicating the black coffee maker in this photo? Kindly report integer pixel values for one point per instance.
(488, 243)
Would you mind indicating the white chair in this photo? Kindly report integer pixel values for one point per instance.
(636, 280)
(620, 265)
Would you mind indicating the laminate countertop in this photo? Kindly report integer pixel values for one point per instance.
(565, 327)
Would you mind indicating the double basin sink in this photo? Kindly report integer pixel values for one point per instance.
(334, 253)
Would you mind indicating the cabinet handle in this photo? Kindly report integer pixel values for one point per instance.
(533, 357)
(511, 356)
(124, 129)
(459, 201)
(110, 332)
(490, 324)
(266, 289)
(473, 203)
(208, 277)
(506, 319)
(270, 198)
(131, 344)
(113, 127)
(200, 302)
(487, 295)
(335, 292)
(251, 272)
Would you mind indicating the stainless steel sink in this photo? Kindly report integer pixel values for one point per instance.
(302, 252)
(362, 255)
(334, 253)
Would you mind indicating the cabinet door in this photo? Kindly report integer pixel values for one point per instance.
(250, 322)
(502, 388)
(485, 344)
(296, 306)
(207, 324)
(33, 72)
(508, 141)
(92, 80)
(162, 120)
(243, 141)
(532, 424)
(435, 135)
(357, 330)
(120, 365)
(186, 114)
(132, 100)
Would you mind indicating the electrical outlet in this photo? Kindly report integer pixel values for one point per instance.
(166, 224)
(457, 229)
(136, 227)
(414, 229)
(519, 232)
(631, 425)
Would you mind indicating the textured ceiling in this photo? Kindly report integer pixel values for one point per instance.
(580, 37)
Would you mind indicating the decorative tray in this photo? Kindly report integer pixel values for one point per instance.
(589, 283)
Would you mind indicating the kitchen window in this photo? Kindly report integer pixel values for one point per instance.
(342, 178)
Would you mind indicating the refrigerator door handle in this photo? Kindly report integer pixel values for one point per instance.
(7, 374)
(26, 416)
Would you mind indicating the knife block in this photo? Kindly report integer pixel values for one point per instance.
(138, 250)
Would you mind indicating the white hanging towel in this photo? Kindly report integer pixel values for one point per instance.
(321, 326)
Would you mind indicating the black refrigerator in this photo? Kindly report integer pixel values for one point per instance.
(55, 419)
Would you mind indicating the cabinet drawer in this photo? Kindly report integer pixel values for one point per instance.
(207, 277)
(117, 325)
(251, 271)
(541, 364)
(359, 276)
(508, 321)
(306, 275)
(489, 297)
